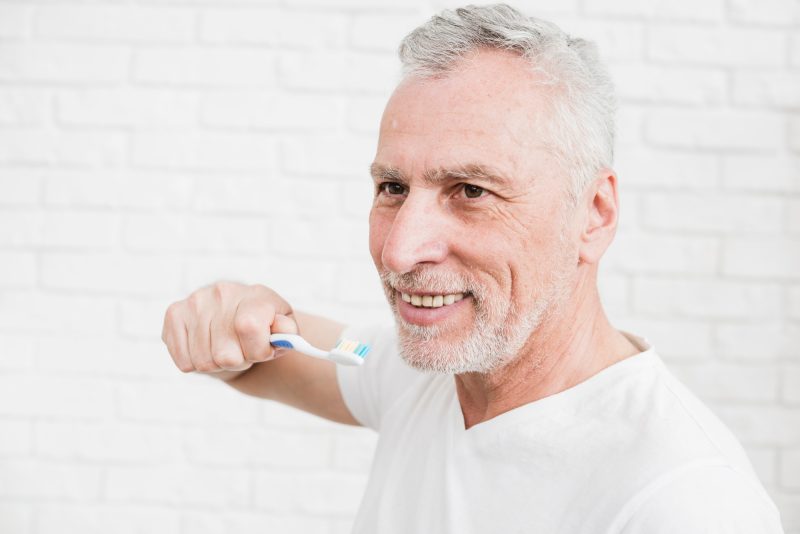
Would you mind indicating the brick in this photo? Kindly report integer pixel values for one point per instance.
(675, 340)
(334, 156)
(274, 27)
(204, 151)
(740, 130)
(63, 62)
(728, 46)
(30, 311)
(713, 10)
(791, 385)
(767, 88)
(24, 107)
(318, 493)
(790, 469)
(730, 382)
(15, 21)
(247, 446)
(237, 194)
(18, 270)
(354, 4)
(106, 356)
(353, 450)
(772, 257)
(794, 134)
(46, 147)
(629, 128)
(178, 485)
(112, 23)
(793, 295)
(757, 341)
(107, 442)
(171, 233)
(86, 230)
(794, 45)
(17, 438)
(201, 522)
(111, 273)
(155, 190)
(204, 270)
(666, 169)
(382, 32)
(363, 114)
(357, 197)
(772, 12)
(614, 292)
(713, 212)
(21, 227)
(793, 217)
(304, 282)
(272, 111)
(19, 187)
(31, 478)
(127, 107)
(223, 66)
(18, 352)
(185, 399)
(17, 516)
(141, 319)
(98, 518)
(665, 254)
(36, 395)
(280, 416)
(762, 425)
(712, 298)
(358, 283)
(645, 83)
(789, 505)
(317, 239)
(364, 73)
(776, 174)
(616, 40)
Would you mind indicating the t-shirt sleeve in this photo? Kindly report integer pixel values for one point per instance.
(712, 500)
(370, 389)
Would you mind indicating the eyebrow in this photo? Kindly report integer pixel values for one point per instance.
(468, 172)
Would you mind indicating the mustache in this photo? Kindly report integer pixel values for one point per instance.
(426, 280)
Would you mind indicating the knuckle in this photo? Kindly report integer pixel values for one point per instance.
(185, 367)
(247, 323)
(206, 366)
(227, 360)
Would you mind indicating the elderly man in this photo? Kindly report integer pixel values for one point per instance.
(504, 398)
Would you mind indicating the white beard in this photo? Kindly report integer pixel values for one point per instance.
(498, 335)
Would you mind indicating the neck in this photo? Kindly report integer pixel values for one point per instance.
(571, 345)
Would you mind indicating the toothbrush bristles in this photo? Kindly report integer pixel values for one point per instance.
(353, 347)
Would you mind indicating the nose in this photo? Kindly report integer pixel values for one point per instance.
(417, 234)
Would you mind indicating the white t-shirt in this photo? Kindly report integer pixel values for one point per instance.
(628, 451)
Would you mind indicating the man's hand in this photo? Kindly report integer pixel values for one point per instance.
(224, 330)
(225, 327)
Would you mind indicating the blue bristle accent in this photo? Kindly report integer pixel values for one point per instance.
(282, 343)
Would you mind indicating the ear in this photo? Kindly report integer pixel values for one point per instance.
(601, 203)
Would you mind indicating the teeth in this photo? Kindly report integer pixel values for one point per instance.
(432, 301)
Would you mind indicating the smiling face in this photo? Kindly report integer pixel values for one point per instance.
(470, 228)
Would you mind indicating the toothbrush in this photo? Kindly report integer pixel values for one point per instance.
(346, 351)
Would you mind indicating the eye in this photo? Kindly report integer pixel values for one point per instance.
(473, 191)
(392, 188)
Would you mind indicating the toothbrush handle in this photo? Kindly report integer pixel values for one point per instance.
(296, 342)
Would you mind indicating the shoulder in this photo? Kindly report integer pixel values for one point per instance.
(372, 388)
(705, 497)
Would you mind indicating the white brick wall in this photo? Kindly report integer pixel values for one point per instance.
(150, 147)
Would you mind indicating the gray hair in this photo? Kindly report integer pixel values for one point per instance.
(582, 130)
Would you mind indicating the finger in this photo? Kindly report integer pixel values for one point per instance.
(226, 352)
(174, 336)
(199, 342)
(252, 326)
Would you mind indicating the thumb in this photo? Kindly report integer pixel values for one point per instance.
(284, 324)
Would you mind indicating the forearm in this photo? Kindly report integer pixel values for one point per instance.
(297, 380)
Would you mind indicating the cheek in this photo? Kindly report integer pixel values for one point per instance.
(378, 229)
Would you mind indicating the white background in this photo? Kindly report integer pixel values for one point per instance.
(148, 148)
